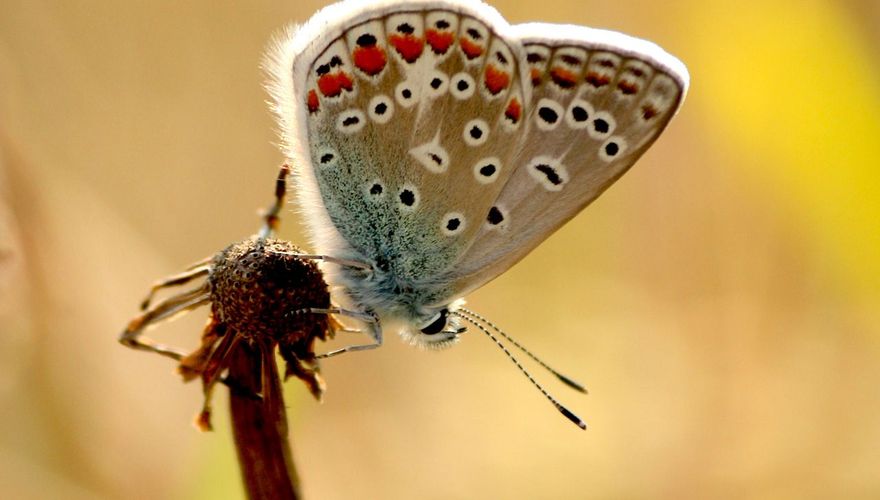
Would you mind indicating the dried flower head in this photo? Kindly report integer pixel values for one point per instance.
(261, 291)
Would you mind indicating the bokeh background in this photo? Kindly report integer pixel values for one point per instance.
(722, 301)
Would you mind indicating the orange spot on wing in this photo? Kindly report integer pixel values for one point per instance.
(648, 112)
(495, 79)
(563, 77)
(514, 110)
(536, 76)
(597, 80)
(371, 60)
(312, 101)
(331, 85)
(470, 49)
(408, 46)
(628, 88)
(440, 41)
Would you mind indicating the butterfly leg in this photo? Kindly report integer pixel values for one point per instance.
(132, 335)
(337, 326)
(197, 270)
(271, 220)
(371, 319)
(352, 348)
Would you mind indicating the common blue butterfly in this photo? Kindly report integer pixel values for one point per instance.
(434, 146)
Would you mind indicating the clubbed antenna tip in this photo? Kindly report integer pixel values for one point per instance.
(571, 383)
(571, 416)
(475, 319)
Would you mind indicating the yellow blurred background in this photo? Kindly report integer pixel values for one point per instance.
(721, 302)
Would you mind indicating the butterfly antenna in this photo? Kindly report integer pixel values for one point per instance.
(565, 411)
(566, 380)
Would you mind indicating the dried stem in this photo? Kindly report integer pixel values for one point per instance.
(251, 286)
(259, 424)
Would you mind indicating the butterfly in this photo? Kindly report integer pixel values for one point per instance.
(435, 145)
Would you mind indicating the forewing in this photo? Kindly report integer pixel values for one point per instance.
(403, 113)
(599, 100)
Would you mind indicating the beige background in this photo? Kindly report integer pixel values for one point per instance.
(721, 302)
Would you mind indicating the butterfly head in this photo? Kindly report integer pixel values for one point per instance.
(435, 328)
(422, 313)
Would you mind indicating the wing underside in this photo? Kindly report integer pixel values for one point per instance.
(439, 143)
(599, 100)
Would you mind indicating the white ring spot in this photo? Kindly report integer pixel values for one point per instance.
(497, 218)
(452, 223)
(486, 170)
(462, 86)
(374, 191)
(432, 156)
(476, 132)
(406, 94)
(408, 198)
(548, 114)
(326, 158)
(613, 148)
(381, 109)
(350, 121)
(602, 124)
(438, 84)
(549, 172)
(579, 114)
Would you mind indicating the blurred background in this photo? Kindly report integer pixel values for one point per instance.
(721, 302)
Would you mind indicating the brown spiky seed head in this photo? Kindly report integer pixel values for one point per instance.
(258, 285)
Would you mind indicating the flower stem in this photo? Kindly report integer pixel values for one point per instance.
(259, 423)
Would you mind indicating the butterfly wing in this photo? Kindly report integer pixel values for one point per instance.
(441, 145)
(599, 100)
(397, 117)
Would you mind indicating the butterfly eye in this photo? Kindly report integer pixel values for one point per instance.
(437, 323)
